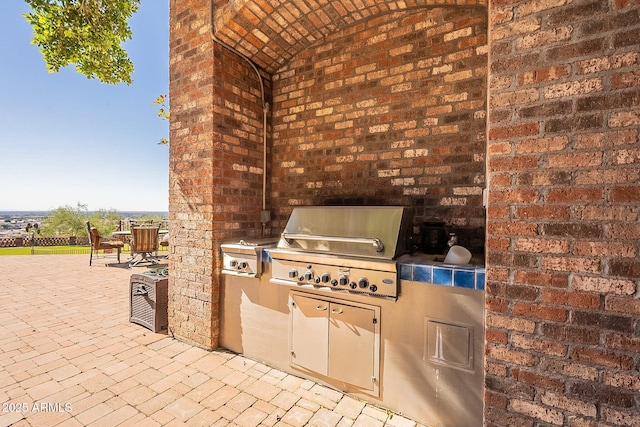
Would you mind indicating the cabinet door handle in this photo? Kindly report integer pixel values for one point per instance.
(339, 311)
(321, 308)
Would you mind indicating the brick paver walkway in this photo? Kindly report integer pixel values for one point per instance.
(70, 357)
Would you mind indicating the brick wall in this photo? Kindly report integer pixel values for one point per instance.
(563, 331)
(388, 111)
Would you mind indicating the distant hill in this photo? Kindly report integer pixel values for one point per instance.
(42, 214)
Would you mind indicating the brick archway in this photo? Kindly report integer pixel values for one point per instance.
(271, 35)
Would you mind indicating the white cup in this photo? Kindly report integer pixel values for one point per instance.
(457, 255)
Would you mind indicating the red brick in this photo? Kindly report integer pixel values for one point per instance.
(519, 228)
(511, 356)
(572, 264)
(541, 279)
(536, 245)
(498, 243)
(514, 196)
(607, 213)
(496, 337)
(539, 311)
(538, 380)
(623, 342)
(581, 195)
(602, 358)
(543, 75)
(570, 299)
(516, 131)
(622, 305)
(571, 333)
(605, 249)
(625, 194)
(542, 212)
(574, 160)
(510, 164)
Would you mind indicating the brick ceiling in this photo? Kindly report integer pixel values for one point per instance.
(271, 32)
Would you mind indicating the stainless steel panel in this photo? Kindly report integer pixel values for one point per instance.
(352, 351)
(244, 258)
(448, 344)
(319, 272)
(337, 340)
(365, 231)
(309, 332)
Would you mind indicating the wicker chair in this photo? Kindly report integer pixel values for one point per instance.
(100, 243)
(144, 243)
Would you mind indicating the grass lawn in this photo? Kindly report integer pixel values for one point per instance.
(45, 250)
(55, 250)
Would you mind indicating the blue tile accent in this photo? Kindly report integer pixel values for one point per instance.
(480, 280)
(406, 271)
(463, 278)
(443, 276)
(422, 273)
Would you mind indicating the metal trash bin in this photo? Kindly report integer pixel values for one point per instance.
(149, 300)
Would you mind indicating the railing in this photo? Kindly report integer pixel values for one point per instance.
(17, 242)
(50, 245)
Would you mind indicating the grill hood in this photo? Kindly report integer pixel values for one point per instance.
(379, 232)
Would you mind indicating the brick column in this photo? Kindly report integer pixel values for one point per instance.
(216, 166)
(563, 219)
(192, 282)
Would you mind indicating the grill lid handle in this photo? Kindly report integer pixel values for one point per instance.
(343, 239)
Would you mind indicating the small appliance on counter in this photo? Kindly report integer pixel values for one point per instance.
(434, 237)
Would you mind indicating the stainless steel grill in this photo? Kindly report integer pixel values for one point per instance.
(346, 249)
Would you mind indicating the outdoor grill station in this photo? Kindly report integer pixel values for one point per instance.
(340, 298)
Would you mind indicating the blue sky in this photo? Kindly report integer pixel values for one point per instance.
(66, 139)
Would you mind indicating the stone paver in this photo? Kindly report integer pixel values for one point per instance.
(70, 357)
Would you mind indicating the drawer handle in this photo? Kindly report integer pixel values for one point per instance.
(141, 291)
(340, 311)
(321, 308)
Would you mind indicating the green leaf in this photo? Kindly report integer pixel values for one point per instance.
(86, 33)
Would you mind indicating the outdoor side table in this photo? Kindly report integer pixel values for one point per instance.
(149, 300)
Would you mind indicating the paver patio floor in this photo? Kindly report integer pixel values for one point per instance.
(69, 356)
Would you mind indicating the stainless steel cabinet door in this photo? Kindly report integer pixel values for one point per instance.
(352, 345)
(309, 333)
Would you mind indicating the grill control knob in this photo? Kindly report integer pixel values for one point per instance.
(325, 278)
(242, 265)
(373, 288)
(293, 273)
(308, 275)
(334, 282)
(363, 283)
(233, 263)
(344, 280)
(353, 285)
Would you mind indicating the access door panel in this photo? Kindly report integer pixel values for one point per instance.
(309, 333)
(352, 345)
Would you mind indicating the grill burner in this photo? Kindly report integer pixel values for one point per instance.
(245, 258)
(351, 249)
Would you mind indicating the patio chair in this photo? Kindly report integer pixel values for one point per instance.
(144, 243)
(98, 243)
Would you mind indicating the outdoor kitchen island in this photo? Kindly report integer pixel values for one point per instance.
(416, 349)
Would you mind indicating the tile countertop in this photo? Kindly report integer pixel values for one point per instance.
(423, 268)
